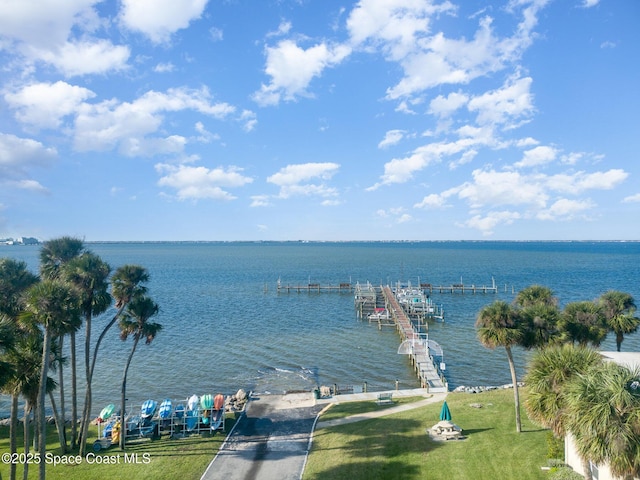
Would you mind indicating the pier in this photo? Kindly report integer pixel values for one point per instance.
(381, 304)
(348, 287)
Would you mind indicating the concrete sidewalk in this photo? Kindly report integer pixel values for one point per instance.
(272, 439)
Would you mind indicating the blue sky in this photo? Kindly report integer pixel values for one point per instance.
(320, 119)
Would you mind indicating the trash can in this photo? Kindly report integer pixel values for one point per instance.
(316, 393)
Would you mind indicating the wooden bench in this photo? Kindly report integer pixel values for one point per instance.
(385, 398)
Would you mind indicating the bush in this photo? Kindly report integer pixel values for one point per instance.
(555, 446)
(564, 473)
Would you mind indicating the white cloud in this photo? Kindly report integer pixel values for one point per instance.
(493, 188)
(19, 154)
(504, 105)
(60, 34)
(392, 137)
(44, 105)
(540, 155)
(590, 3)
(301, 180)
(158, 19)
(432, 201)
(260, 201)
(195, 183)
(110, 124)
(565, 209)
(580, 182)
(445, 106)
(30, 185)
(292, 68)
(164, 67)
(632, 198)
(486, 224)
(81, 58)
(395, 25)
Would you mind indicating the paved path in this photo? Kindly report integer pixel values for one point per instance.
(272, 439)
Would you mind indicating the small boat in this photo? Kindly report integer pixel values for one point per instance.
(148, 409)
(106, 413)
(379, 314)
(164, 411)
(206, 404)
(217, 414)
(192, 413)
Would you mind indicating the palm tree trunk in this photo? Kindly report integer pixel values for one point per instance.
(123, 428)
(86, 413)
(42, 396)
(59, 424)
(74, 392)
(26, 427)
(619, 339)
(13, 434)
(516, 395)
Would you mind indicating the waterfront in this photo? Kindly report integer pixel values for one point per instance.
(226, 327)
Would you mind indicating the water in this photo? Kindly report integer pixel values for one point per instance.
(225, 327)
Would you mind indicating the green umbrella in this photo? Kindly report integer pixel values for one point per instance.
(445, 413)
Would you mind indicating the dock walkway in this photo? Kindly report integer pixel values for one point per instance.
(420, 358)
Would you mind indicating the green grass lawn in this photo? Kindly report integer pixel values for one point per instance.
(390, 447)
(397, 446)
(186, 458)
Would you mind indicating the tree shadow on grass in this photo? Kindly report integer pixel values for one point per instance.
(371, 470)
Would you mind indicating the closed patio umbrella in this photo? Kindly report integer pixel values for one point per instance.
(445, 413)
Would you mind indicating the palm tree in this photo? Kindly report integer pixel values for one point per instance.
(135, 322)
(582, 323)
(535, 295)
(549, 371)
(15, 279)
(618, 309)
(50, 303)
(88, 273)
(498, 325)
(126, 283)
(603, 408)
(54, 255)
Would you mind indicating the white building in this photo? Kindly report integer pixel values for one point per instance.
(599, 472)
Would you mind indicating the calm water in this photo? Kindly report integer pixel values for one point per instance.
(225, 327)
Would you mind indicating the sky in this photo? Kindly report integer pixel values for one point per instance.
(222, 120)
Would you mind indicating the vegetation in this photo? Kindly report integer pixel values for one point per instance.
(185, 458)
(37, 313)
(398, 447)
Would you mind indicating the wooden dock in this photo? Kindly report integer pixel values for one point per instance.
(348, 287)
(421, 360)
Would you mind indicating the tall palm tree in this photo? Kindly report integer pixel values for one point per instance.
(15, 279)
(54, 255)
(498, 325)
(604, 417)
(549, 371)
(583, 323)
(49, 303)
(89, 274)
(618, 309)
(135, 322)
(126, 283)
(535, 295)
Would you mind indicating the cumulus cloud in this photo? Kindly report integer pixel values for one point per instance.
(392, 137)
(306, 179)
(534, 157)
(159, 19)
(632, 198)
(17, 155)
(487, 223)
(61, 34)
(292, 68)
(196, 183)
(44, 105)
(126, 125)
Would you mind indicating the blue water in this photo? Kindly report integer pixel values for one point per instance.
(225, 327)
